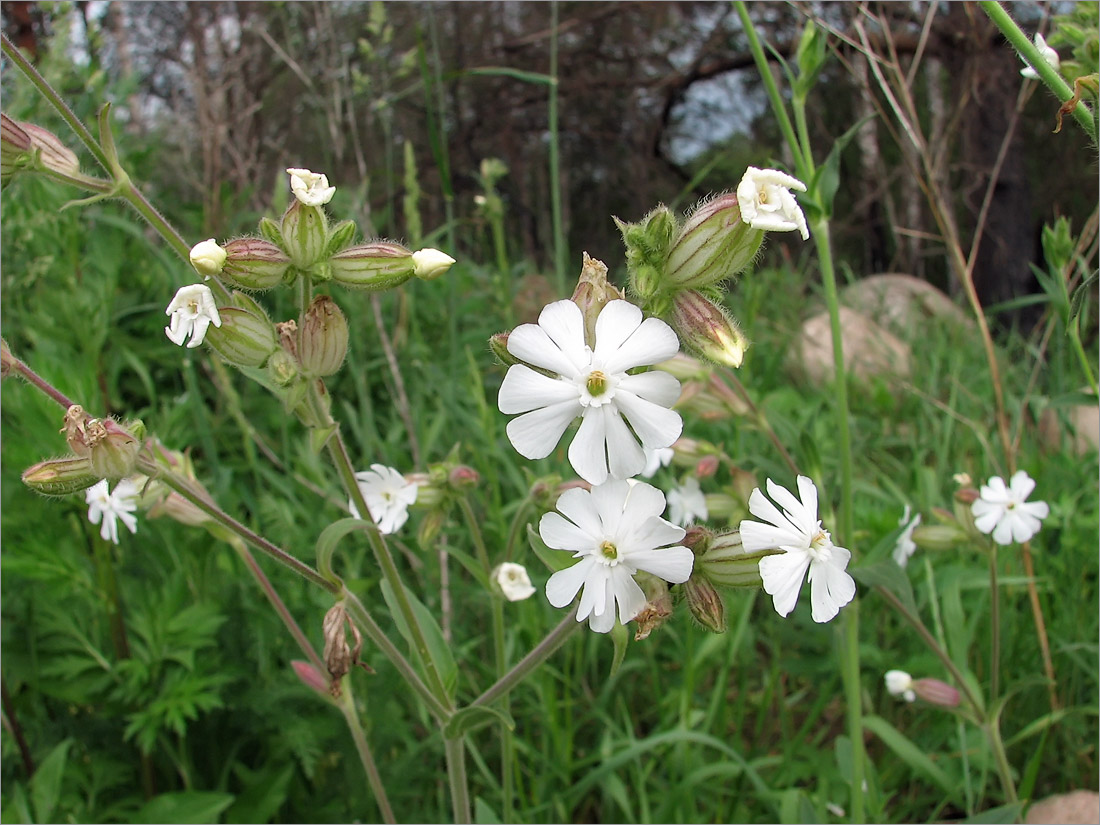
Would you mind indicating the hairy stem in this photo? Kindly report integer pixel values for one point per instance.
(539, 654)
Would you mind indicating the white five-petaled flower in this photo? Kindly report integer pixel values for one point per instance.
(808, 551)
(108, 507)
(905, 546)
(1049, 55)
(388, 496)
(614, 531)
(656, 459)
(900, 683)
(765, 200)
(686, 503)
(513, 581)
(192, 310)
(594, 385)
(1005, 511)
(310, 188)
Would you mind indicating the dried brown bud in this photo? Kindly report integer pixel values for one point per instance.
(339, 656)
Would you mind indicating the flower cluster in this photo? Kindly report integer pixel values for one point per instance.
(1005, 512)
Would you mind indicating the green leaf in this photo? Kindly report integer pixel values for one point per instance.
(554, 560)
(484, 814)
(184, 807)
(45, 785)
(827, 178)
(908, 752)
(329, 538)
(795, 807)
(1005, 813)
(265, 792)
(889, 576)
(470, 719)
(438, 649)
(517, 74)
(621, 637)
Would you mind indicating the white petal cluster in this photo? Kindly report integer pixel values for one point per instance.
(766, 203)
(808, 551)
(208, 257)
(310, 188)
(1005, 511)
(513, 581)
(1049, 55)
(108, 508)
(431, 263)
(905, 547)
(686, 503)
(613, 531)
(388, 496)
(900, 683)
(620, 413)
(656, 459)
(192, 310)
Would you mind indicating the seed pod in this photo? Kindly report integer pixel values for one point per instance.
(322, 338)
(254, 263)
(373, 266)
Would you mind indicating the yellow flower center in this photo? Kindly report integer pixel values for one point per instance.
(609, 550)
(596, 383)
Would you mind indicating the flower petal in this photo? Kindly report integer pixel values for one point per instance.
(673, 564)
(655, 385)
(798, 513)
(577, 505)
(610, 500)
(588, 452)
(596, 596)
(656, 426)
(564, 325)
(617, 321)
(562, 534)
(562, 587)
(524, 390)
(630, 597)
(625, 457)
(782, 576)
(831, 587)
(1022, 485)
(537, 433)
(651, 343)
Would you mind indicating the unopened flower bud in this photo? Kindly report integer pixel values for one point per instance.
(429, 264)
(60, 476)
(658, 606)
(706, 330)
(254, 263)
(246, 338)
(705, 603)
(322, 338)
(7, 360)
(707, 466)
(15, 149)
(341, 235)
(721, 507)
(511, 581)
(52, 153)
(463, 477)
(938, 537)
(498, 345)
(373, 266)
(25, 146)
(545, 492)
(966, 495)
(76, 429)
(208, 258)
(726, 563)
(282, 368)
(593, 293)
(339, 656)
(936, 692)
(310, 188)
(900, 683)
(713, 245)
(310, 676)
(697, 539)
(647, 243)
(430, 527)
(305, 233)
(685, 368)
(115, 449)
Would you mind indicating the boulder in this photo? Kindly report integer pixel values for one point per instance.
(1074, 808)
(1081, 420)
(901, 303)
(869, 350)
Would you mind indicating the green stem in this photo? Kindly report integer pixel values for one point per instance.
(456, 772)
(995, 621)
(518, 521)
(853, 698)
(555, 160)
(778, 108)
(339, 454)
(539, 654)
(1020, 41)
(1075, 337)
(1004, 769)
(355, 726)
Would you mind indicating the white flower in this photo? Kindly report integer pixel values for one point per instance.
(310, 188)
(388, 496)
(1005, 511)
(656, 459)
(900, 683)
(905, 547)
(192, 310)
(1048, 54)
(766, 202)
(594, 385)
(513, 581)
(686, 503)
(615, 530)
(806, 546)
(431, 263)
(111, 507)
(208, 258)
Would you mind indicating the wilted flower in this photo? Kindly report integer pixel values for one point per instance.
(513, 581)
(192, 310)
(900, 683)
(208, 258)
(109, 507)
(1005, 511)
(808, 551)
(309, 188)
(388, 496)
(686, 503)
(614, 531)
(905, 546)
(1048, 54)
(767, 203)
(592, 383)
